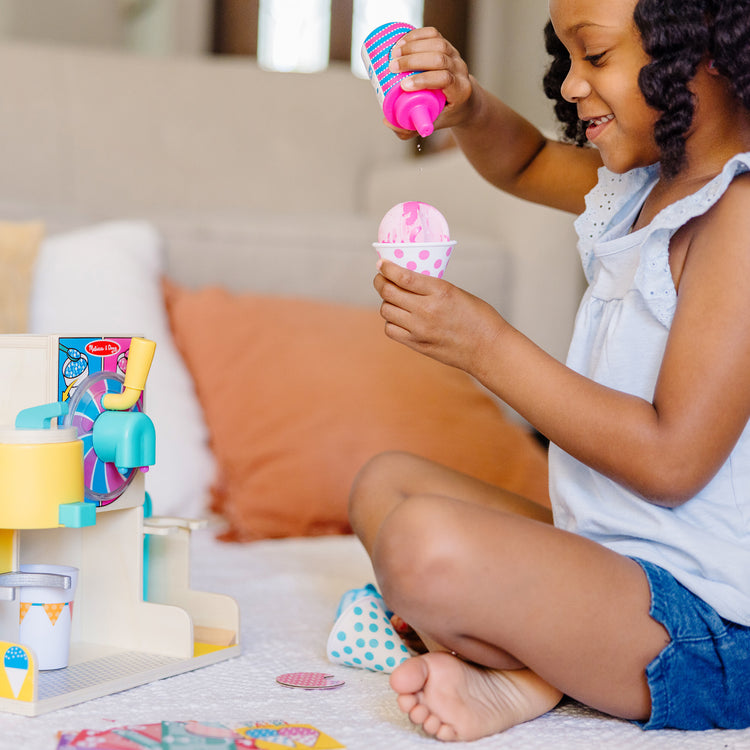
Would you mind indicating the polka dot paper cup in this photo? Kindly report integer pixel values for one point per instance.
(428, 258)
(364, 637)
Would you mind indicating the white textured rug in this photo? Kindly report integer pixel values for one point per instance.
(288, 591)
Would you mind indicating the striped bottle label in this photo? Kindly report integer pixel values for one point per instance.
(376, 54)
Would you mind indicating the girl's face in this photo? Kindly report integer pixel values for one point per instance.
(606, 56)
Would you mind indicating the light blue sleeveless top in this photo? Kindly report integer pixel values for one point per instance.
(619, 340)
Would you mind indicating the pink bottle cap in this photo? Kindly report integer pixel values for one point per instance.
(421, 120)
(418, 110)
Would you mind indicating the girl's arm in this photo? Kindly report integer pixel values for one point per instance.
(503, 147)
(665, 450)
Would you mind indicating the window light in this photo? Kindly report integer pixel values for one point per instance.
(294, 35)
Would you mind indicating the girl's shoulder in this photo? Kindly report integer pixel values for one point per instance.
(739, 187)
(721, 234)
(727, 192)
(731, 210)
(721, 231)
(734, 177)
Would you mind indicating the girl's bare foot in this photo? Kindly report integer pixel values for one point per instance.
(453, 700)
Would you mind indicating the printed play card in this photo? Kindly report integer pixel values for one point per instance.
(198, 735)
(275, 736)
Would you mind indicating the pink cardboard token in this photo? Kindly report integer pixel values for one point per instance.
(309, 680)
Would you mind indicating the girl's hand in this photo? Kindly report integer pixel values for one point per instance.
(436, 318)
(442, 68)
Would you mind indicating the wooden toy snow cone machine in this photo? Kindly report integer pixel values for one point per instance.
(94, 590)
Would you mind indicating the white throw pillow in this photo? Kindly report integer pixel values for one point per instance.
(106, 280)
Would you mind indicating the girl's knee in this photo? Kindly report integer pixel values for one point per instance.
(417, 547)
(375, 487)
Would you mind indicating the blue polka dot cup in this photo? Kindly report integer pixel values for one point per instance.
(428, 258)
(364, 637)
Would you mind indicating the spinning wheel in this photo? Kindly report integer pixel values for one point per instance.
(103, 481)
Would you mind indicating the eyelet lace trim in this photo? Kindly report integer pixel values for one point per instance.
(613, 191)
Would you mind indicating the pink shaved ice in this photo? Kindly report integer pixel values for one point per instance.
(413, 221)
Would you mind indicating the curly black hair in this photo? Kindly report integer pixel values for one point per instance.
(676, 35)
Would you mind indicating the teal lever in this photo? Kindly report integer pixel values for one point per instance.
(39, 417)
(125, 438)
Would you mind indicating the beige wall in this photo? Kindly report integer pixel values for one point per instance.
(509, 57)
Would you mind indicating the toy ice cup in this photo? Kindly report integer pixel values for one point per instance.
(363, 636)
(46, 612)
(428, 258)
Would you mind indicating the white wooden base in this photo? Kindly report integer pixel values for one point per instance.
(95, 671)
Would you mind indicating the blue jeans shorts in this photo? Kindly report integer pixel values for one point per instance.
(701, 680)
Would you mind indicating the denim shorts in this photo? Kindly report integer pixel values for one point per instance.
(701, 680)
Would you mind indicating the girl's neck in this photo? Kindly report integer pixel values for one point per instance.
(721, 129)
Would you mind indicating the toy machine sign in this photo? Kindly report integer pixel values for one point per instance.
(81, 357)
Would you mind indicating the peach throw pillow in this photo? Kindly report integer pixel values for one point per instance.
(299, 394)
(19, 243)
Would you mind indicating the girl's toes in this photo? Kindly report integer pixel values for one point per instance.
(419, 714)
(446, 733)
(406, 702)
(432, 725)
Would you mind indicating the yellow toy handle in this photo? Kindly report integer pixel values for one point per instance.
(140, 356)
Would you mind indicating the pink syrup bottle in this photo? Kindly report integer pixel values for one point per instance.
(411, 110)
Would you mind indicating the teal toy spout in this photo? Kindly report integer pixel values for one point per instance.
(125, 438)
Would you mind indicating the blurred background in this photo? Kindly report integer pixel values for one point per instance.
(500, 39)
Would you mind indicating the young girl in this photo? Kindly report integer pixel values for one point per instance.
(637, 600)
